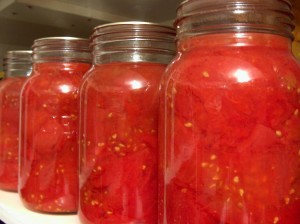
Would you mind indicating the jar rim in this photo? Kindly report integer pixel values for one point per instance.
(133, 23)
(132, 30)
(215, 16)
(132, 41)
(60, 38)
(19, 51)
(61, 49)
(54, 40)
(17, 63)
(228, 1)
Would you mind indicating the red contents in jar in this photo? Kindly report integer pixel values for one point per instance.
(119, 143)
(233, 132)
(49, 137)
(10, 89)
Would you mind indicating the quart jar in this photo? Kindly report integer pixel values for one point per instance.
(17, 67)
(119, 109)
(49, 125)
(230, 124)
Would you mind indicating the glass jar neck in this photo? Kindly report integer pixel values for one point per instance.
(25, 72)
(234, 40)
(18, 70)
(61, 56)
(133, 49)
(17, 63)
(59, 66)
(61, 49)
(133, 42)
(201, 17)
(134, 56)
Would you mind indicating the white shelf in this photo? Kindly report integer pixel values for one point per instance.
(13, 212)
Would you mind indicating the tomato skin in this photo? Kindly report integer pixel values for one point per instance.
(230, 133)
(119, 143)
(10, 89)
(49, 137)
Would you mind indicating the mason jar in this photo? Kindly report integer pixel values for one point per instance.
(17, 68)
(49, 125)
(119, 122)
(230, 123)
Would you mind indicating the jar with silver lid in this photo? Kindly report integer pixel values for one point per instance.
(17, 67)
(118, 129)
(230, 124)
(49, 125)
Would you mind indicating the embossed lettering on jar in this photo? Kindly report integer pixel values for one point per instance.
(49, 125)
(230, 116)
(17, 68)
(119, 109)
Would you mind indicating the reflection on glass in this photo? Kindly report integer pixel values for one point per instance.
(242, 75)
(135, 84)
(65, 88)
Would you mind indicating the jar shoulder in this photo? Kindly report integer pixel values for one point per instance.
(234, 65)
(126, 75)
(49, 83)
(12, 85)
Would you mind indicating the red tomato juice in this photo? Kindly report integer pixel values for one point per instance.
(232, 132)
(119, 143)
(49, 137)
(10, 89)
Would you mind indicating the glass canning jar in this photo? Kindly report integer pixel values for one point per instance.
(119, 121)
(17, 67)
(230, 122)
(49, 125)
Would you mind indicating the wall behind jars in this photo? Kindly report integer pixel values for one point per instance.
(22, 21)
(296, 43)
